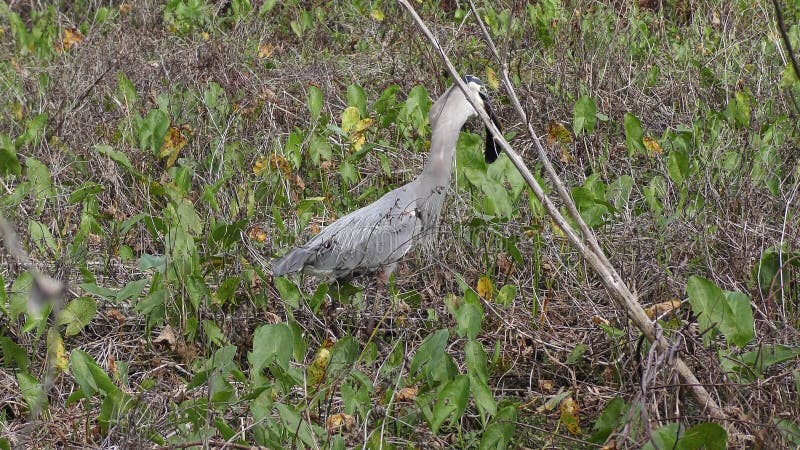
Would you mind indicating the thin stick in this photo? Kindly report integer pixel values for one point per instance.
(592, 253)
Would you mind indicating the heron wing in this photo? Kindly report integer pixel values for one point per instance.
(376, 235)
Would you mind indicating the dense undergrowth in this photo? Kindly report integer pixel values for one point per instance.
(156, 156)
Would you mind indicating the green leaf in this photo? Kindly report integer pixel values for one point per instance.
(77, 314)
(789, 430)
(768, 355)
(506, 295)
(9, 163)
(451, 402)
(31, 391)
(89, 375)
(678, 165)
(584, 115)
(314, 101)
(132, 290)
(729, 312)
(633, 134)
(320, 149)
(577, 354)
(611, 417)
(343, 354)
(741, 323)
(87, 189)
(478, 373)
(126, 90)
(430, 353)
(272, 347)
(18, 295)
(500, 430)
(13, 354)
(663, 438)
(289, 292)
(708, 436)
(467, 312)
(116, 156)
(102, 292)
(41, 236)
(296, 425)
(738, 110)
(41, 183)
(358, 98)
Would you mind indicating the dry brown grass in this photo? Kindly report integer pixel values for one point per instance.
(558, 299)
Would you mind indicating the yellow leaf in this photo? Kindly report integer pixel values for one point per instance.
(56, 354)
(653, 146)
(378, 14)
(266, 50)
(569, 415)
(259, 165)
(484, 288)
(364, 124)
(124, 8)
(350, 118)
(557, 132)
(491, 79)
(660, 309)
(174, 142)
(257, 234)
(316, 371)
(70, 37)
(336, 422)
(18, 111)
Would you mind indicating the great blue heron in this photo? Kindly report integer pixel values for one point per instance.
(375, 237)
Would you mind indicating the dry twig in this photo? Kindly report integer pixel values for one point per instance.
(589, 249)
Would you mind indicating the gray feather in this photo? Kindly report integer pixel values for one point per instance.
(291, 262)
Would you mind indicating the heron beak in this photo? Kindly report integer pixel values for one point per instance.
(491, 152)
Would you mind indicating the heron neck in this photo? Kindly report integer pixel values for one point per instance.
(439, 168)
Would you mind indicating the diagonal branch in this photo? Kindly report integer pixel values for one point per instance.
(592, 252)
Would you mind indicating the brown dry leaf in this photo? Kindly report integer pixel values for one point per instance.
(117, 316)
(546, 385)
(257, 234)
(325, 165)
(112, 364)
(406, 394)
(280, 163)
(652, 146)
(600, 320)
(301, 185)
(124, 8)
(167, 336)
(336, 422)
(611, 445)
(70, 37)
(266, 50)
(174, 142)
(504, 262)
(659, 309)
(485, 288)
(314, 229)
(569, 415)
(272, 318)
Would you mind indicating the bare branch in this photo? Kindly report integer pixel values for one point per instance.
(592, 252)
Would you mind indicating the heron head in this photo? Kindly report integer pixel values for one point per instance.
(491, 151)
